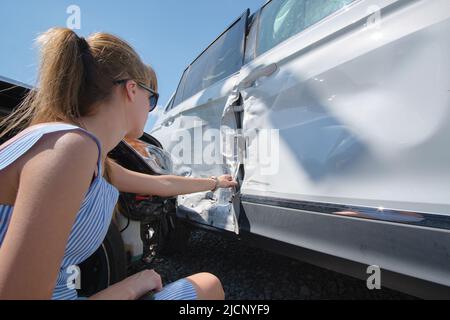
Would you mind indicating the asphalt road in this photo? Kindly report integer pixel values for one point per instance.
(256, 274)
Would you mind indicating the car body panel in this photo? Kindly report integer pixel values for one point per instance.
(359, 117)
(189, 133)
(363, 119)
(353, 113)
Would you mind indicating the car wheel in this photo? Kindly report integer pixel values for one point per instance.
(106, 266)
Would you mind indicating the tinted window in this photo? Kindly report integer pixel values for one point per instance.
(179, 94)
(223, 58)
(316, 10)
(169, 105)
(281, 19)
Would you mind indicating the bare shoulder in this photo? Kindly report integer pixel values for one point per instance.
(64, 147)
(52, 185)
(63, 163)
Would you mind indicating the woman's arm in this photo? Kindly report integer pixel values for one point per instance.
(55, 175)
(164, 186)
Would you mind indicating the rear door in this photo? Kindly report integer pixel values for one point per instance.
(346, 122)
(190, 130)
(292, 142)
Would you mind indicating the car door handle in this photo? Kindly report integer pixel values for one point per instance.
(258, 73)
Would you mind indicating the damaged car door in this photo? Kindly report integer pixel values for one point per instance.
(190, 129)
(355, 94)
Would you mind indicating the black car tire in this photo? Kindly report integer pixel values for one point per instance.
(106, 266)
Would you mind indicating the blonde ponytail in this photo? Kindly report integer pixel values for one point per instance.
(74, 75)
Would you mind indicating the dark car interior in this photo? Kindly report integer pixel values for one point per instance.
(11, 95)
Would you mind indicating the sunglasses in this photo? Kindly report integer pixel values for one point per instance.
(154, 96)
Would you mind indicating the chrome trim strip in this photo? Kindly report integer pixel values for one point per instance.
(421, 219)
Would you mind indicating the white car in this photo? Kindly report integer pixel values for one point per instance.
(334, 117)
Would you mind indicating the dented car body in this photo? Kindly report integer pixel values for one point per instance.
(334, 118)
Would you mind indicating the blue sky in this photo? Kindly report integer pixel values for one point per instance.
(168, 34)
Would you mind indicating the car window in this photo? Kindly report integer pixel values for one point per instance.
(169, 105)
(179, 94)
(281, 19)
(316, 10)
(221, 59)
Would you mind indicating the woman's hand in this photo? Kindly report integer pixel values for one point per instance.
(143, 282)
(226, 181)
(132, 288)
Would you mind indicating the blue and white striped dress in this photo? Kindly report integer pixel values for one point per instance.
(92, 220)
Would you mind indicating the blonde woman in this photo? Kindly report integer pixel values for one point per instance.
(55, 205)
